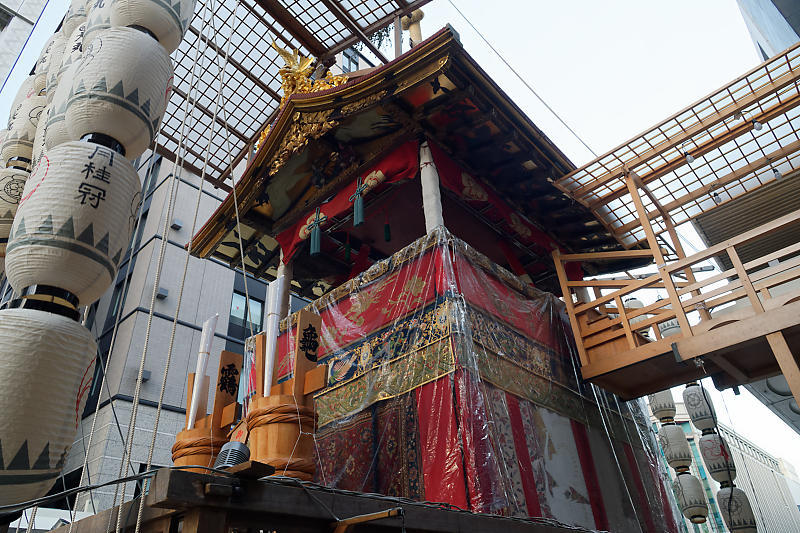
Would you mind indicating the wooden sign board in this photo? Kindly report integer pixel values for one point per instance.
(306, 347)
(229, 373)
(239, 433)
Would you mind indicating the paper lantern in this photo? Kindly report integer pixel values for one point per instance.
(98, 19)
(46, 365)
(699, 406)
(120, 89)
(54, 65)
(669, 327)
(18, 144)
(167, 21)
(42, 64)
(56, 132)
(717, 457)
(26, 90)
(691, 498)
(76, 15)
(38, 140)
(12, 183)
(3, 134)
(676, 447)
(662, 405)
(736, 511)
(74, 221)
(73, 51)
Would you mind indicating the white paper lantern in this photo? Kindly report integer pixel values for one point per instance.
(73, 51)
(691, 498)
(74, 221)
(57, 132)
(676, 447)
(98, 19)
(736, 511)
(669, 327)
(76, 15)
(120, 89)
(54, 63)
(167, 21)
(38, 140)
(662, 404)
(698, 405)
(46, 363)
(717, 457)
(26, 90)
(19, 140)
(12, 183)
(42, 64)
(3, 134)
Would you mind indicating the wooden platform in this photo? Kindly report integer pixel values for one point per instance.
(203, 503)
(737, 326)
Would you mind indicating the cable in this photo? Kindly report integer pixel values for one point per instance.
(519, 76)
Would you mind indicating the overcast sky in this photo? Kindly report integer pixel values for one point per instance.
(611, 69)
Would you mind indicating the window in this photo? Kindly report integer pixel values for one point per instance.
(239, 327)
(350, 60)
(5, 18)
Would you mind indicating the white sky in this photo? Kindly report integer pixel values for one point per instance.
(611, 69)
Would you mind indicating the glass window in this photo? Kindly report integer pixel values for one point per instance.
(237, 318)
(350, 60)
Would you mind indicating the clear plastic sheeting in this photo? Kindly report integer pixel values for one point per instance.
(451, 381)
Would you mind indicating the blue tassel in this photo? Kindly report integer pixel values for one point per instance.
(358, 210)
(315, 240)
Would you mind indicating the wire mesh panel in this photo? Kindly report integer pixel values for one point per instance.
(235, 88)
(735, 140)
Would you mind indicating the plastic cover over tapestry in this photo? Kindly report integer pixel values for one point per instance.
(451, 381)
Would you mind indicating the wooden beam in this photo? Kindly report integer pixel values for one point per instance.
(775, 155)
(714, 143)
(573, 320)
(345, 18)
(291, 24)
(599, 256)
(772, 87)
(787, 361)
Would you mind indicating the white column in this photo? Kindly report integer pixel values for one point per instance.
(285, 274)
(431, 196)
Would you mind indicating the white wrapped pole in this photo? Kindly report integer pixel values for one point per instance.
(206, 337)
(275, 295)
(431, 195)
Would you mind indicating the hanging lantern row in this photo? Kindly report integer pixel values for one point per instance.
(688, 490)
(69, 197)
(733, 502)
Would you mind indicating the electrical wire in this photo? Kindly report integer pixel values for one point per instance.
(524, 82)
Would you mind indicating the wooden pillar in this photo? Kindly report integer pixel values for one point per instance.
(431, 195)
(655, 249)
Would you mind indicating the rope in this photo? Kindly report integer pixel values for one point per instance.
(211, 441)
(162, 251)
(104, 364)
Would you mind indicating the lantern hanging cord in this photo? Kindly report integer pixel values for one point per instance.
(524, 82)
(190, 105)
(183, 276)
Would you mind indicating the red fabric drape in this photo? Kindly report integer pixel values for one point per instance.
(523, 457)
(442, 462)
(401, 164)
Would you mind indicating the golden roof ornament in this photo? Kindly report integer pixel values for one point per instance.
(296, 78)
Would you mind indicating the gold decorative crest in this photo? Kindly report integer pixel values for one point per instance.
(296, 78)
